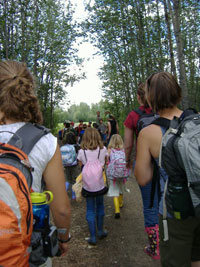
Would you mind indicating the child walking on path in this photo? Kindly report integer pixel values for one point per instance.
(91, 157)
(117, 172)
(69, 158)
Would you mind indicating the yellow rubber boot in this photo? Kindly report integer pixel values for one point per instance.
(121, 200)
(117, 208)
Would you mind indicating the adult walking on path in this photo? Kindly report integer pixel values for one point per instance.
(113, 127)
(179, 237)
(19, 106)
(150, 210)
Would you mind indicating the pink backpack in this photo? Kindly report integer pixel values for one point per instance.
(117, 165)
(92, 175)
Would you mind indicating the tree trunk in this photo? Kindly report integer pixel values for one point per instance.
(179, 44)
(167, 20)
(5, 29)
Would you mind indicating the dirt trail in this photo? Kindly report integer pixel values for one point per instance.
(125, 242)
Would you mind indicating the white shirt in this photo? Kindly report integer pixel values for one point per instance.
(39, 156)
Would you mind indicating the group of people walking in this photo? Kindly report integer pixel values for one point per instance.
(91, 152)
(173, 239)
(106, 129)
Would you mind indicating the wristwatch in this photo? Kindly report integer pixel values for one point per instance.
(66, 240)
(62, 231)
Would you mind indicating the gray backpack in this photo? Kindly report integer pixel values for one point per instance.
(180, 157)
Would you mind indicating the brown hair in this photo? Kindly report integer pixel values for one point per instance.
(116, 141)
(91, 139)
(69, 138)
(162, 91)
(17, 99)
(141, 93)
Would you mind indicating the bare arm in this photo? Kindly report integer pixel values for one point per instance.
(117, 127)
(128, 145)
(60, 206)
(109, 129)
(80, 164)
(143, 169)
(108, 156)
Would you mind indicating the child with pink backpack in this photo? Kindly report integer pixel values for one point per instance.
(117, 171)
(91, 158)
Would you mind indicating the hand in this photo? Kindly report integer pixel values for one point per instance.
(64, 247)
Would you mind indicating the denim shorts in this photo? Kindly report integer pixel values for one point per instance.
(183, 246)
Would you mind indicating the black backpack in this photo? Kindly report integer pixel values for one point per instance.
(144, 119)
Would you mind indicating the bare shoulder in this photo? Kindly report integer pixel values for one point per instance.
(152, 136)
(151, 131)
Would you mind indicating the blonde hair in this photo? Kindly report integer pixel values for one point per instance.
(91, 139)
(116, 141)
(17, 98)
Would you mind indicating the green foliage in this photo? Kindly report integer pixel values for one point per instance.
(43, 34)
(138, 37)
(79, 112)
(135, 38)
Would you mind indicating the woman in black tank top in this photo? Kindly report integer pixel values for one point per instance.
(113, 127)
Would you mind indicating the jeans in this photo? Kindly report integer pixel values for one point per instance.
(95, 207)
(150, 214)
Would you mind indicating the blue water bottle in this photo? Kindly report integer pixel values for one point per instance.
(40, 204)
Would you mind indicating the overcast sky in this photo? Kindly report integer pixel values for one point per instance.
(87, 90)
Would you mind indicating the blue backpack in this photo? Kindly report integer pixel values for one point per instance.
(69, 156)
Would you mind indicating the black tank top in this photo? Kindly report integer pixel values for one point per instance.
(113, 124)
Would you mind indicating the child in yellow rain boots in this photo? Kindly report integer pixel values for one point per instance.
(118, 203)
(116, 171)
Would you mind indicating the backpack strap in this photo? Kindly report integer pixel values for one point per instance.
(99, 153)
(27, 136)
(86, 156)
(155, 185)
(163, 122)
(139, 111)
(187, 112)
